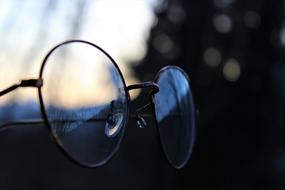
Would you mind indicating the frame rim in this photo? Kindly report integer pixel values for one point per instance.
(45, 115)
(188, 156)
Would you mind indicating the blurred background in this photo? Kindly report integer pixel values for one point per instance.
(233, 52)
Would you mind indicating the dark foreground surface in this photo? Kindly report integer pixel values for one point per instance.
(30, 160)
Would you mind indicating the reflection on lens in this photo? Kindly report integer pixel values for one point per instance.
(85, 101)
(175, 115)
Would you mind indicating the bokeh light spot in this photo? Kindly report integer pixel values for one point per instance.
(165, 45)
(223, 3)
(176, 14)
(251, 19)
(222, 23)
(231, 70)
(282, 36)
(212, 57)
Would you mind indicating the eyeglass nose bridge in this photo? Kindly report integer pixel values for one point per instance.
(154, 89)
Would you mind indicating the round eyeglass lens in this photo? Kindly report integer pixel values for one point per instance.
(175, 115)
(85, 101)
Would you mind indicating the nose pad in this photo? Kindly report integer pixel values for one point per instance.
(114, 120)
(113, 124)
(140, 121)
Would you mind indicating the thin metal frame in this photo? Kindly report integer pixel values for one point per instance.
(156, 120)
(38, 83)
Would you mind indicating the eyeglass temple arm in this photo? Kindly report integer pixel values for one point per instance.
(39, 82)
(35, 122)
(24, 83)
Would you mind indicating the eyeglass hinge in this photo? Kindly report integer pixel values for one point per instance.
(31, 83)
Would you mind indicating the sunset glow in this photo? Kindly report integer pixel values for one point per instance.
(29, 29)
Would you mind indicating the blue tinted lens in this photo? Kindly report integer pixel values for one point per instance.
(175, 115)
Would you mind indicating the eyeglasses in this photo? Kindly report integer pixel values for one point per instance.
(84, 103)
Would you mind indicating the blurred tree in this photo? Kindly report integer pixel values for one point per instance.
(234, 54)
